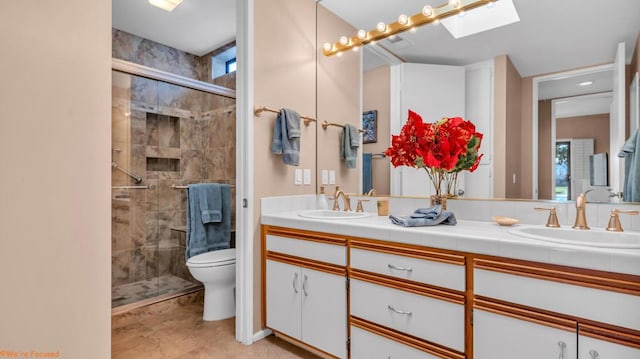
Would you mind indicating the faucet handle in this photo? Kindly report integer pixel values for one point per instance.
(614, 221)
(552, 220)
(359, 206)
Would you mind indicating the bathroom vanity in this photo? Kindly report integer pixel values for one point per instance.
(366, 288)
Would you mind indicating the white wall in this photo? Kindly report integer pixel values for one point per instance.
(55, 176)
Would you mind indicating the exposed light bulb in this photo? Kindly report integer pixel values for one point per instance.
(413, 30)
(344, 40)
(454, 3)
(373, 42)
(428, 11)
(462, 13)
(327, 46)
(362, 34)
(490, 4)
(436, 22)
(339, 54)
(403, 19)
(355, 48)
(382, 27)
(392, 37)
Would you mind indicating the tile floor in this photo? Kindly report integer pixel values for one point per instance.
(174, 329)
(144, 289)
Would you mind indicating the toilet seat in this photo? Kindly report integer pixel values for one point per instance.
(217, 258)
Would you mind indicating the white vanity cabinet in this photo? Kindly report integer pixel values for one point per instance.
(500, 334)
(411, 296)
(533, 310)
(590, 348)
(305, 291)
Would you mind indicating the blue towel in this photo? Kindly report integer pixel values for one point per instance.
(631, 190)
(286, 137)
(349, 145)
(205, 237)
(211, 211)
(367, 174)
(426, 217)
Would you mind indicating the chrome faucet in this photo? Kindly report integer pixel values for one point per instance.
(581, 211)
(345, 199)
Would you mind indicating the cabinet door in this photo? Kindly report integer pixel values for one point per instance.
(324, 311)
(498, 336)
(591, 348)
(284, 289)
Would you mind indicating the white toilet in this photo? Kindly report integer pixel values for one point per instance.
(217, 271)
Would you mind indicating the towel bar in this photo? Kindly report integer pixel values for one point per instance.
(326, 124)
(257, 110)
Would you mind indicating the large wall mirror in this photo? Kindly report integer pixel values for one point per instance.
(546, 98)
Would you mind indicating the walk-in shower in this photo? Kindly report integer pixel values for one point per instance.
(164, 137)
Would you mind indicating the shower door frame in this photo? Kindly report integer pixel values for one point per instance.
(158, 75)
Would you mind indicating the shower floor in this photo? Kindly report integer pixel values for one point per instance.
(134, 292)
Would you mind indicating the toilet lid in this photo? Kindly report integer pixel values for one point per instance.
(222, 255)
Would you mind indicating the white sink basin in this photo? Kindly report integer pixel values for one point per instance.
(595, 237)
(329, 214)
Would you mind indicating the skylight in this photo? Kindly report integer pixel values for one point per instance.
(500, 13)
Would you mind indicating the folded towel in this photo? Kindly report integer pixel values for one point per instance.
(286, 136)
(349, 145)
(211, 211)
(205, 237)
(426, 217)
(629, 151)
(367, 172)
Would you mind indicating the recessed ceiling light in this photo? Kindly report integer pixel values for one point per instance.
(586, 83)
(167, 5)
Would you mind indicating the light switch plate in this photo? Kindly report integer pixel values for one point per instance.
(307, 176)
(298, 177)
(325, 177)
(332, 177)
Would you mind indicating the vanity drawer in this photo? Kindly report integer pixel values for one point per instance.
(434, 272)
(367, 345)
(436, 320)
(538, 288)
(309, 249)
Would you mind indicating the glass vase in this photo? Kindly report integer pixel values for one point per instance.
(439, 200)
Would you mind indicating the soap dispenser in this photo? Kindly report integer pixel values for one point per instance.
(321, 200)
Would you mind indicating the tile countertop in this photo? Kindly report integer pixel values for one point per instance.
(469, 236)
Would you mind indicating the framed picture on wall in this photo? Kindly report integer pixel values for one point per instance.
(370, 126)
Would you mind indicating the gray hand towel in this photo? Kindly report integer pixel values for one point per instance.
(286, 136)
(426, 217)
(629, 151)
(349, 145)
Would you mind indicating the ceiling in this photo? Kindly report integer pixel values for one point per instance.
(195, 26)
(551, 36)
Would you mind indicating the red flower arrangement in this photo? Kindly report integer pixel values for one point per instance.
(443, 148)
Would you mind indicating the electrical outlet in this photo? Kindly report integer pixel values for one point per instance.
(325, 177)
(307, 176)
(332, 177)
(297, 180)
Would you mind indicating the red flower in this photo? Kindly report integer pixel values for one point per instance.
(450, 145)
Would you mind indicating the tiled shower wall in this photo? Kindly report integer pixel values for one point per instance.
(168, 135)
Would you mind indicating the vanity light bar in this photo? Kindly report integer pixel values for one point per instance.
(404, 23)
